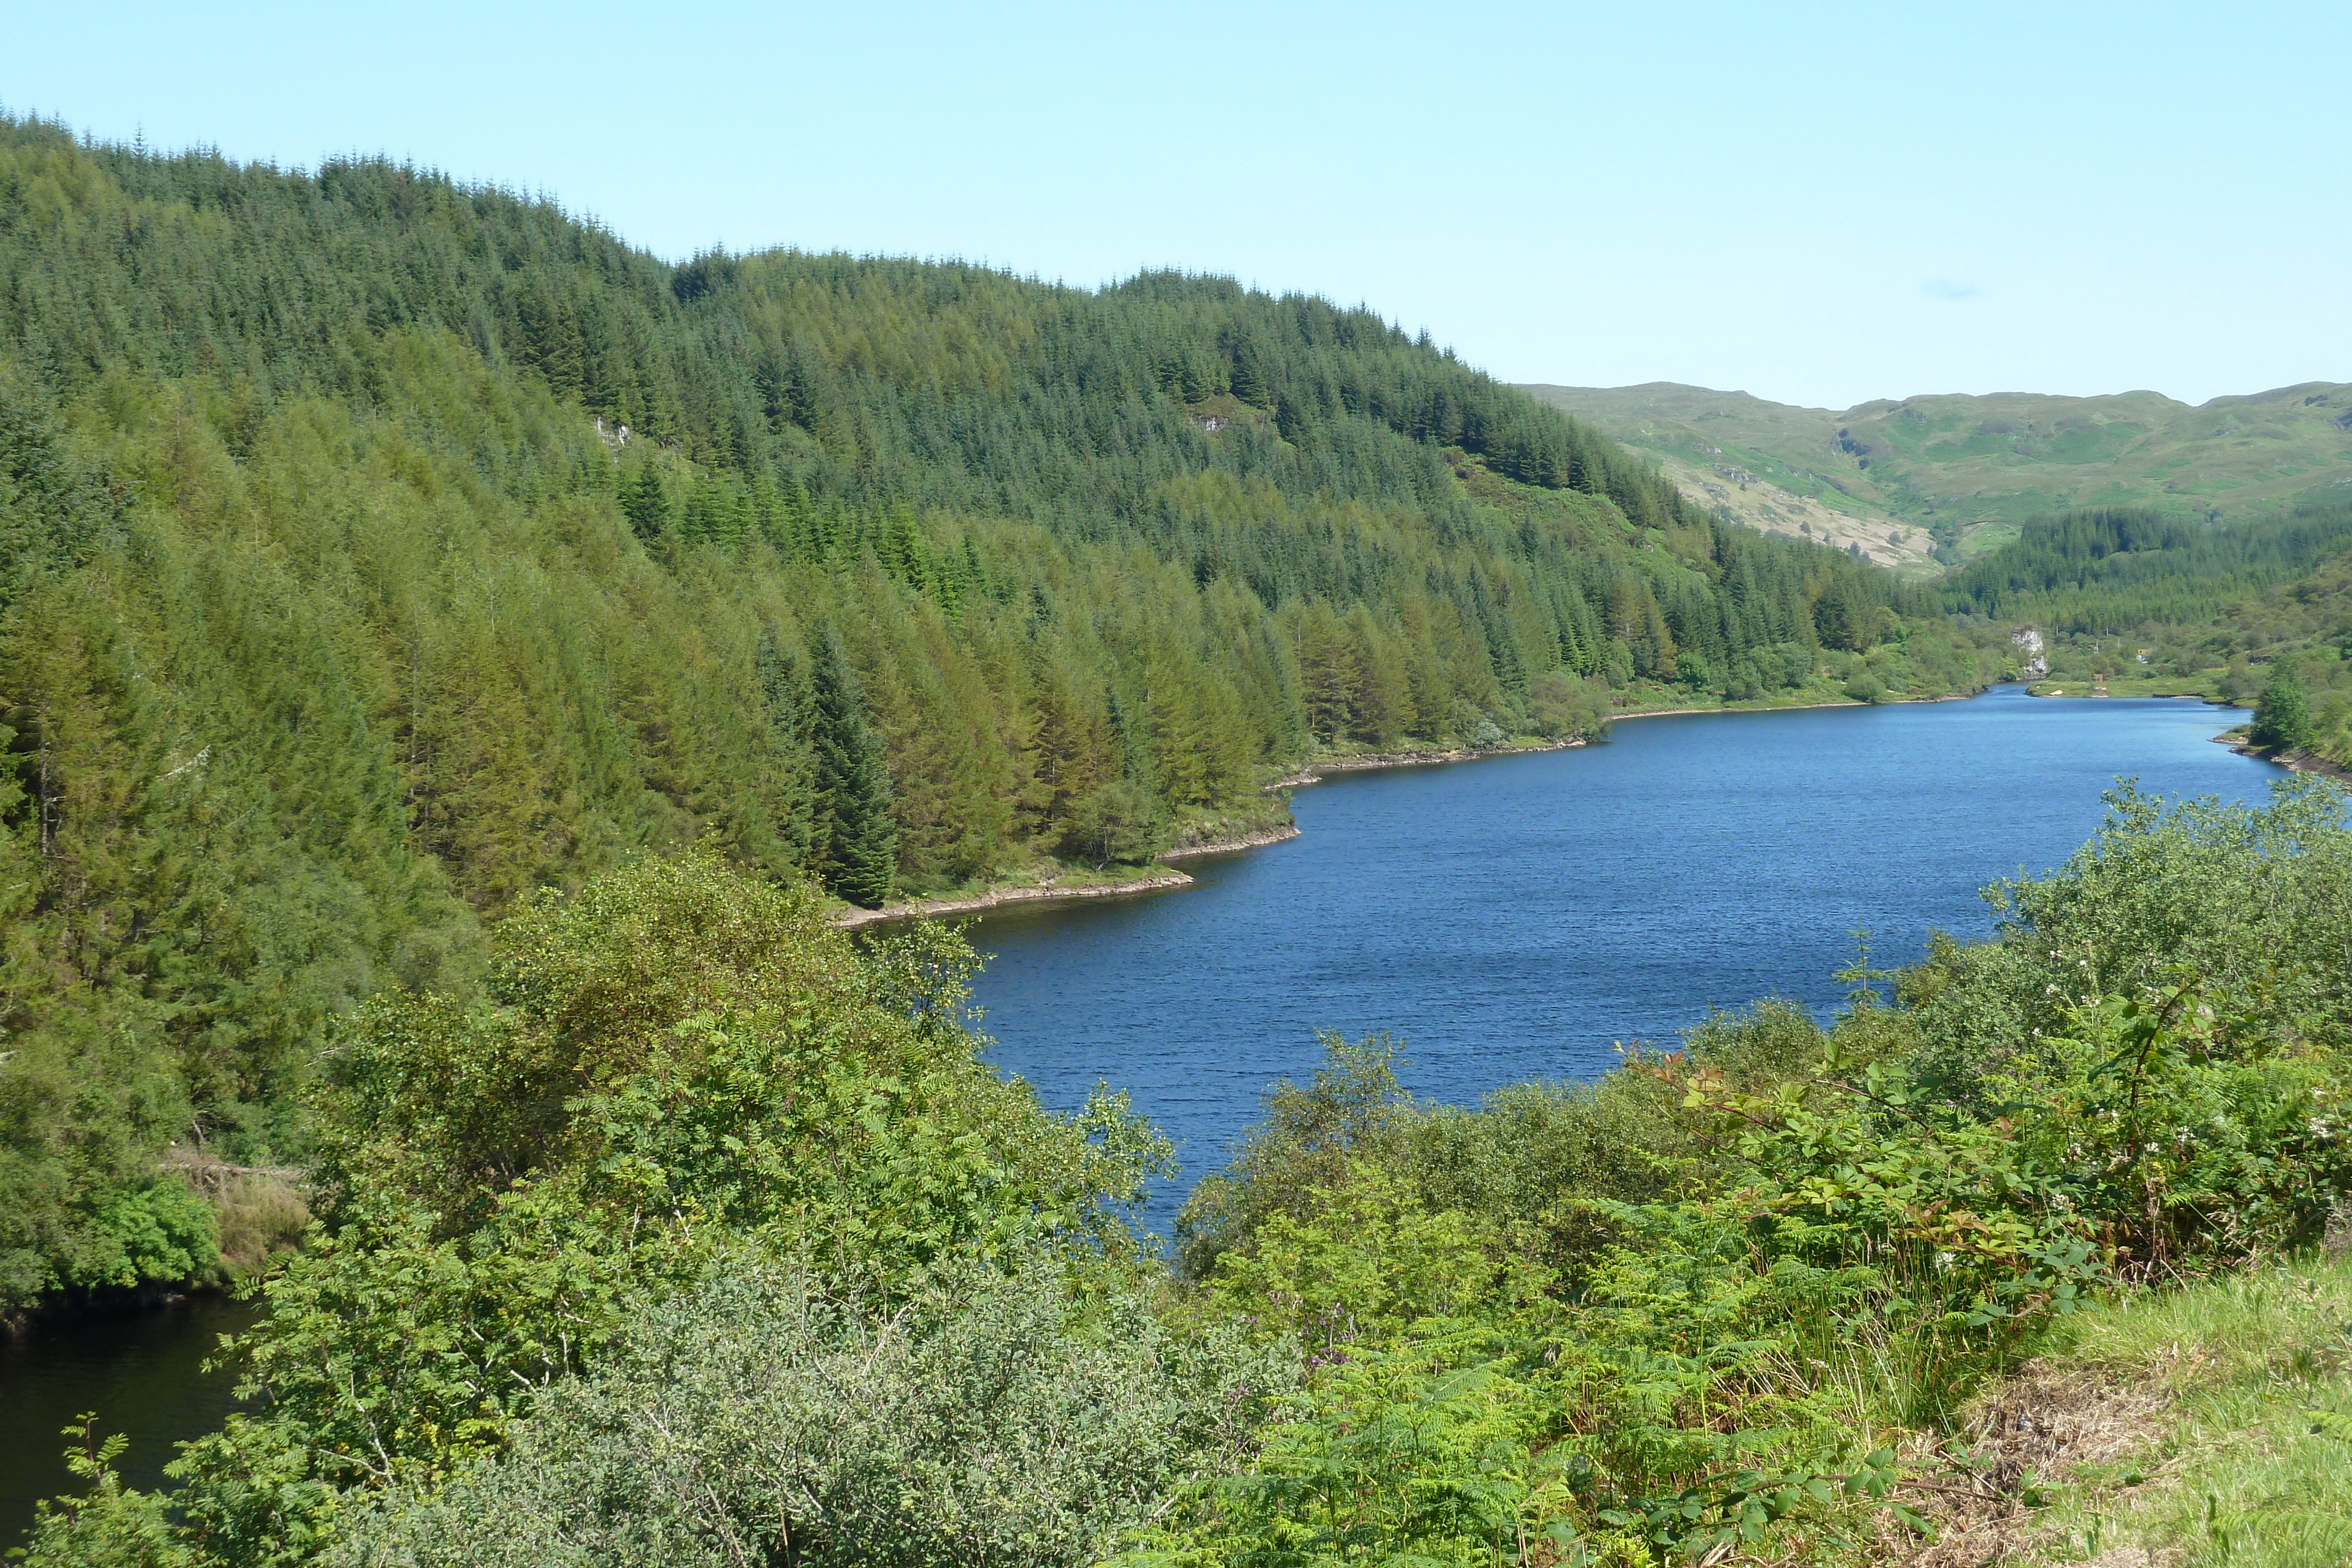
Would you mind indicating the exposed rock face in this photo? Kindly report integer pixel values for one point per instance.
(2031, 654)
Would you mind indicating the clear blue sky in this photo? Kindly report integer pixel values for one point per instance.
(1819, 205)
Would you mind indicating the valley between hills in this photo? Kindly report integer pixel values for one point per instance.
(461, 672)
(1923, 482)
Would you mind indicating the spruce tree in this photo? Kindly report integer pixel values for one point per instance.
(645, 504)
(861, 845)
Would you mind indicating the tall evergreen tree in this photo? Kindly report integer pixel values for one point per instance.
(645, 504)
(861, 842)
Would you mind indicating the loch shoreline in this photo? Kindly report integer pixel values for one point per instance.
(1167, 881)
(1310, 773)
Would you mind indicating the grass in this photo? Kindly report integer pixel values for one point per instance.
(2230, 1437)
(1968, 469)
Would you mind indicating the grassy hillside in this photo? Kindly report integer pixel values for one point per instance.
(2207, 1423)
(1965, 471)
(379, 556)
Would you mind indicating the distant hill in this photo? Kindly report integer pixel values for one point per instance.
(1949, 476)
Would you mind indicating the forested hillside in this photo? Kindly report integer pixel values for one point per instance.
(2135, 602)
(2117, 569)
(380, 553)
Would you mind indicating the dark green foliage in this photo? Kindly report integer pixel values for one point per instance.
(853, 788)
(1845, 618)
(2115, 570)
(2283, 717)
(52, 509)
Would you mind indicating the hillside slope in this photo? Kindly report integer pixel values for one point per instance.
(1965, 470)
(378, 556)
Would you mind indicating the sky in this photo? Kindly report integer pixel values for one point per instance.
(1819, 205)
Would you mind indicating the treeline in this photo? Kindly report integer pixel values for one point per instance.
(2289, 651)
(343, 617)
(2115, 570)
(708, 1239)
(2255, 611)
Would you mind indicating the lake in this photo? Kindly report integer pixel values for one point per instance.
(1517, 917)
(141, 1371)
(1508, 918)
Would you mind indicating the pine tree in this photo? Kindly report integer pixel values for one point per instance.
(862, 842)
(785, 703)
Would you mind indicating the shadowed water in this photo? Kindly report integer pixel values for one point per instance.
(139, 1371)
(1515, 917)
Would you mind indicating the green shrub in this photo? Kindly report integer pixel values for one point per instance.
(2282, 716)
(991, 1419)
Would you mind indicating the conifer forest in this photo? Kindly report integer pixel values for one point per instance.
(382, 553)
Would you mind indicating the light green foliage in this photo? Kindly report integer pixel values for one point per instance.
(2304, 628)
(1700, 1305)
(1560, 705)
(338, 620)
(700, 1233)
(1969, 468)
(2283, 717)
(680, 1061)
(106, 1525)
(2250, 899)
(2247, 1465)
(989, 1419)
(1865, 687)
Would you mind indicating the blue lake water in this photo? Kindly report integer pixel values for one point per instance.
(1515, 917)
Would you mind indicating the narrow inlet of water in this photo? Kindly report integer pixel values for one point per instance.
(139, 1369)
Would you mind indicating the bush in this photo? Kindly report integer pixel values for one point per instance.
(2282, 716)
(990, 1420)
(1119, 824)
(1559, 703)
(681, 1059)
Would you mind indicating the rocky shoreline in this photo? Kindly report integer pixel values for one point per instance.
(1055, 892)
(1364, 762)
(980, 903)
(1282, 835)
(2293, 761)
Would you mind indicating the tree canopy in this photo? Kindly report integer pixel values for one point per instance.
(377, 552)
